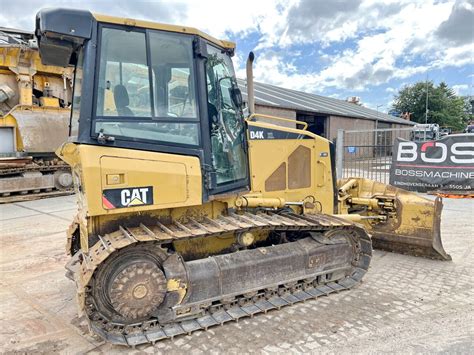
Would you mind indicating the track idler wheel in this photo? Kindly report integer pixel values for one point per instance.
(63, 180)
(131, 285)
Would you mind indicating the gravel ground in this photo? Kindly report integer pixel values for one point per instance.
(404, 305)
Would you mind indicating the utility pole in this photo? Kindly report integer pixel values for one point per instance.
(376, 132)
(378, 106)
(426, 101)
(426, 108)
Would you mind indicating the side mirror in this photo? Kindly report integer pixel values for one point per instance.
(236, 96)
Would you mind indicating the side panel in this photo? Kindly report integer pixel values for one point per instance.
(40, 129)
(290, 163)
(173, 180)
(142, 182)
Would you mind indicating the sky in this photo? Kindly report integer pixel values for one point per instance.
(336, 48)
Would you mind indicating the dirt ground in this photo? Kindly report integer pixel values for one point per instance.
(404, 305)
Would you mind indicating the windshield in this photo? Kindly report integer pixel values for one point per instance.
(226, 120)
(144, 95)
(76, 98)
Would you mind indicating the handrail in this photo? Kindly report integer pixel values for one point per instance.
(278, 119)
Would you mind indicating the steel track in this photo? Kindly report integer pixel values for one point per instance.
(34, 196)
(272, 297)
(29, 195)
(32, 168)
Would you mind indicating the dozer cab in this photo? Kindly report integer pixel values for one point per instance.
(191, 215)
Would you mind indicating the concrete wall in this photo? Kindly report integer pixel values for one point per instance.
(278, 112)
(338, 122)
(274, 111)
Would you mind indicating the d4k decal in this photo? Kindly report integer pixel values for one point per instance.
(127, 197)
(256, 135)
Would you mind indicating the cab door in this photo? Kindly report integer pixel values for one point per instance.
(229, 161)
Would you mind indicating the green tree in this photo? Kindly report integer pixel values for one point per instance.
(469, 108)
(444, 106)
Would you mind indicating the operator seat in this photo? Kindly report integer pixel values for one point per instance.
(122, 101)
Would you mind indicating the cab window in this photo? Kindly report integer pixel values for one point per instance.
(124, 87)
(146, 97)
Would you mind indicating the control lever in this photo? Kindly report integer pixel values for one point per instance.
(103, 138)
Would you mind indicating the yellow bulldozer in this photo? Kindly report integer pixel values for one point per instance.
(34, 120)
(190, 214)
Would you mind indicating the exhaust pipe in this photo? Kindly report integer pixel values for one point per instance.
(250, 95)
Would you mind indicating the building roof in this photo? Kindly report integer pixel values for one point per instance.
(274, 96)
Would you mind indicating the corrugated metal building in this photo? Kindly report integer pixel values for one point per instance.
(324, 115)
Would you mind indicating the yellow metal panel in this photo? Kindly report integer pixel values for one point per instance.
(299, 168)
(267, 155)
(10, 58)
(39, 129)
(163, 27)
(176, 179)
(49, 101)
(167, 178)
(26, 90)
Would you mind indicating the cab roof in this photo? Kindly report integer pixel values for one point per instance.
(161, 26)
(60, 32)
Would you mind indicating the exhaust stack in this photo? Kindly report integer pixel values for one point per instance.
(250, 95)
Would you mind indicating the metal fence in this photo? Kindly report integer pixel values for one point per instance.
(367, 153)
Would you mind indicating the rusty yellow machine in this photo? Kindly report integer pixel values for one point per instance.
(189, 214)
(34, 120)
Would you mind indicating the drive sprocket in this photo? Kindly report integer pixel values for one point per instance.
(131, 285)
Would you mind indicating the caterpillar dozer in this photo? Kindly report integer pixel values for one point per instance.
(191, 215)
(34, 120)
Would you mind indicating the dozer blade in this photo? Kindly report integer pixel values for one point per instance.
(413, 222)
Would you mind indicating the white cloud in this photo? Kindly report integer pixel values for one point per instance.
(273, 69)
(455, 56)
(394, 39)
(458, 27)
(462, 89)
(220, 17)
(374, 61)
(21, 13)
(383, 46)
